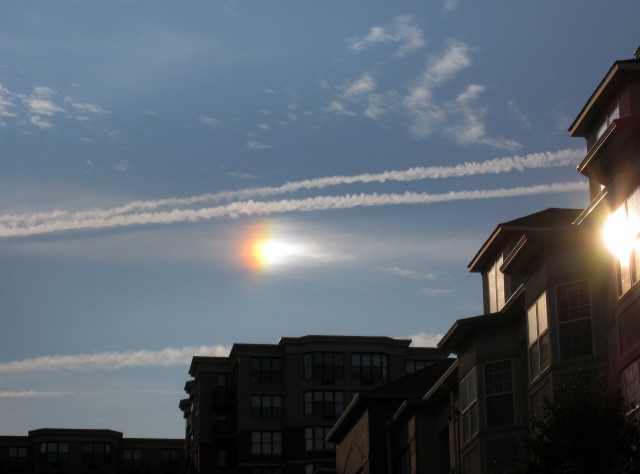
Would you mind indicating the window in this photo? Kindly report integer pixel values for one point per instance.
(631, 387)
(222, 423)
(323, 402)
(17, 456)
(266, 442)
(312, 468)
(169, 458)
(266, 370)
(498, 391)
(612, 114)
(314, 439)
(469, 405)
(574, 320)
(266, 470)
(96, 453)
(266, 407)
(411, 366)
(495, 286)
(220, 387)
(628, 259)
(366, 366)
(55, 453)
(132, 458)
(538, 333)
(323, 365)
(221, 458)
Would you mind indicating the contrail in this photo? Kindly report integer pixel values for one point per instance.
(263, 208)
(112, 360)
(493, 166)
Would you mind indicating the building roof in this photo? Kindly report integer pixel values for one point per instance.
(461, 329)
(601, 97)
(396, 392)
(546, 219)
(534, 247)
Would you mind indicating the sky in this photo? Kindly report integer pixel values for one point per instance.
(179, 176)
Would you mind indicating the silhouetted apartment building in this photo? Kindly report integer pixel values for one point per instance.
(101, 451)
(267, 408)
(556, 301)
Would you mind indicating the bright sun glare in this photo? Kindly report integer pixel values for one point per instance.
(263, 250)
(619, 234)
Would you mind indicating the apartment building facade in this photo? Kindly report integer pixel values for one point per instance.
(101, 451)
(557, 300)
(267, 408)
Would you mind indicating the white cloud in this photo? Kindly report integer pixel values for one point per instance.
(209, 121)
(40, 122)
(449, 5)
(256, 145)
(122, 166)
(518, 115)
(423, 339)
(426, 115)
(436, 291)
(112, 360)
(402, 30)
(442, 67)
(6, 102)
(363, 85)
(86, 108)
(40, 107)
(410, 273)
(338, 108)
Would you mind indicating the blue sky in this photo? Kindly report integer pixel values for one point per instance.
(179, 176)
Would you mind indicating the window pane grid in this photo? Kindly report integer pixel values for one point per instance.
(266, 407)
(314, 439)
(369, 366)
(323, 402)
(323, 365)
(468, 405)
(266, 369)
(498, 386)
(538, 336)
(266, 443)
(574, 320)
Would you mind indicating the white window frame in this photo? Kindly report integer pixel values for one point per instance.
(579, 310)
(495, 286)
(498, 388)
(538, 337)
(631, 386)
(469, 405)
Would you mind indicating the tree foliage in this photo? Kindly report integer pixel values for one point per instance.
(583, 430)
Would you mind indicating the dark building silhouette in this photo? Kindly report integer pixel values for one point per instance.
(58, 450)
(267, 408)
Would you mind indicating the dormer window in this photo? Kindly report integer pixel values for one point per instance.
(612, 114)
(495, 286)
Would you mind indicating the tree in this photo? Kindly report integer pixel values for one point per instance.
(583, 430)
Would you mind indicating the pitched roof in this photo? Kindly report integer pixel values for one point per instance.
(541, 220)
(409, 387)
(602, 95)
